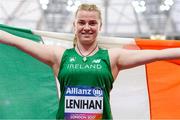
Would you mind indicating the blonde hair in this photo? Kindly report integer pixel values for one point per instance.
(87, 7)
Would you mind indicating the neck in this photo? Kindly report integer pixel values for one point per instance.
(86, 47)
(86, 50)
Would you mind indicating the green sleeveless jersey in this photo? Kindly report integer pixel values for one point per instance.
(85, 86)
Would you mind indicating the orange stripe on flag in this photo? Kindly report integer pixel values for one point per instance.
(163, 80)
(157, 44)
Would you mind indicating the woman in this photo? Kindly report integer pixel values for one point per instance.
(86, 72)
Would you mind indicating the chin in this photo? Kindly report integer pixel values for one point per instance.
(87, 41)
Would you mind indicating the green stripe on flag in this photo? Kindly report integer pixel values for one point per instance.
(27, 86)
(25, 33)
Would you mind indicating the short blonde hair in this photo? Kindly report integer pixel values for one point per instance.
(87, 7)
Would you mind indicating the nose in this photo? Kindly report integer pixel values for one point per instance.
(87, 27)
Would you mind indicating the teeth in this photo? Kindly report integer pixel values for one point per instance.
(87, 33)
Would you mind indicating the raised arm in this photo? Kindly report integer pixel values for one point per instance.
(50, 55)
(131, 58)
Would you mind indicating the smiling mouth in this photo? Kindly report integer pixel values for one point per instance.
(86, 34)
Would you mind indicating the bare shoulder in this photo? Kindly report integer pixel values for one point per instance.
(115, 52)
(59, 50)
(113, 56)
(58, 53)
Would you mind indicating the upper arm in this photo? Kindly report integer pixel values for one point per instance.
(131, 58)
(48, 54)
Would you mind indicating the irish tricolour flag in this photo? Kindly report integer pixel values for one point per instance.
(149, 91)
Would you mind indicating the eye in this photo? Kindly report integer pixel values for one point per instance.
(81, 22)
(92, 23)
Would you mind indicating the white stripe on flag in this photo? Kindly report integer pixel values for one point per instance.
(129, 97)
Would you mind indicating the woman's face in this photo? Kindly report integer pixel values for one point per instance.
(86, 26)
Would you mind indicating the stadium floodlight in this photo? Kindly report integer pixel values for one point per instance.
(139, 6)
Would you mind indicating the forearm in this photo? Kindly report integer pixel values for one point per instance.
(19, 42)
(171, 53)
(7, 38)
(147, 56)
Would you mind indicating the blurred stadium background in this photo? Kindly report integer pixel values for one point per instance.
(155, 19)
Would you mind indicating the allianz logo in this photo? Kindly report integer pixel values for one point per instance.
(96, 61)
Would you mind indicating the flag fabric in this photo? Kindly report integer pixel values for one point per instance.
(27, 86)
(149, 91)
(163, 80)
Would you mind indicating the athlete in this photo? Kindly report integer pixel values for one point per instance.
(86, 72)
